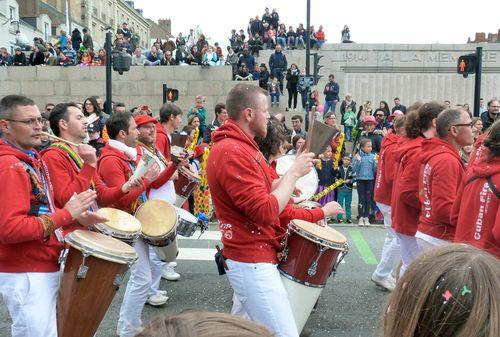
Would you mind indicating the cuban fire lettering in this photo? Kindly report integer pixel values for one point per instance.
(427, 191)
(227, 231)
(484, 200)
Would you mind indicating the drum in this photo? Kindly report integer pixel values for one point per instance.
(311, 254)
(185, 185)
(309, 204)
(159, 221)
(121, 225)
(307, 184)
(94, 269)
(187, 223)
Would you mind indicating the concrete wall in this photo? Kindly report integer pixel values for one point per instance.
(368, 72)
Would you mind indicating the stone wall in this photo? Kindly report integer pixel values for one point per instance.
(368, 72)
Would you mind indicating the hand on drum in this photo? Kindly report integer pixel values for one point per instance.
(79, 203)
(90, 218)
(153, 172)
(302, 165)
(332, 209)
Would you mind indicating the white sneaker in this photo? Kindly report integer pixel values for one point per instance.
(367, 222)
(169, 273)
(172, 264)
(361, 222)
(157, 299)
(388, 283)
(294, 109)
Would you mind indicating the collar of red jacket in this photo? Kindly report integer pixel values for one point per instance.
(8, 149)
(405, 145)
(390, 139)
(232, 130)
(108, 151)
(434, 146)
(485, 167)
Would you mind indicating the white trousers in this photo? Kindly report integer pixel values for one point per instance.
(426, 242)
(31, 301)
(137, 292)
(391, 254)
(156, 270)
(259, 289)
(409, 250)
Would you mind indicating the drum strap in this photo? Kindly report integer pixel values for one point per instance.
(142, 198)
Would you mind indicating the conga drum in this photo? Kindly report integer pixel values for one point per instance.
(188, 223)
(121, 225)
(94, 269)
(309, 204)
(185, 185)
(159, 221)
(311, 254)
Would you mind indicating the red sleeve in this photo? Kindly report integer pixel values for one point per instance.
(163, 144)
(65, 179)
(408, 179)
(164, 176)
(446, 178)
(455, 210)
(16, 225)
(113, 173)
(390, 166)
(106, 196)
(250, 192)
(290, 213)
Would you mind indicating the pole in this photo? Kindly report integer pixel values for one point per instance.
(308, 45)
(477, 84)
(108, 73)
(164, 93)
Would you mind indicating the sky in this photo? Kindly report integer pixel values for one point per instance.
(379, 21)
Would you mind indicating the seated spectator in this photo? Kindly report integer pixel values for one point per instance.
(19, 58)
(48, 46)
(256, 73)
(243, 73)
(5, 58)
(210, 57)
(181, 55)
(194, 58)
(102, 56)
(256, 44)
(246, 58)
(96, 59)
(137, 58)
(291, 37)
(452, 290)
(275, 18)
(152, 57)
(271, 35)
(49, 59)
(168, 45)
(300, 36)
(232, 60)
(124, 31)
(312, 37)
(135, 40)
(36, 57)
(180, 40)
(218, 50)
(282, 37)
(346, 35)
(86, 59)
(239, 46)
(320, 37)
(263, 76)
(201, 43)
(266, 18)
(167, 59)
(70, 52)
(63, 60)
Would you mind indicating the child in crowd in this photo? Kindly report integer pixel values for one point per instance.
(86, 59)
(326, 175)
(344, 192)
(274, 91)
(365, 169)
(349, 122)
(452, 290)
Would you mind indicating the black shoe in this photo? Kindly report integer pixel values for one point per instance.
(348, 220)
(340, 220)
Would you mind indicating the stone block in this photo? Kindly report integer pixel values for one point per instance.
(37, 88)
(157, 73)
(97, 73)
(61, 88)
(76, 73)
(385, 59)
(124, 88)
(49, 73)
(397, 46)
(438, 46)
(10, 88)
(136, 73)
(4, 73)
(417, 46)
(205, 88)
(22, 73)
(88, 88)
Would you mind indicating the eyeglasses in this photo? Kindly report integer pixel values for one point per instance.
(471, 124)
(377, 115)
(31, 122)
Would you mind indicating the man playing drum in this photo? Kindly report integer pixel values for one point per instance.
(249, 216)
(30, 223)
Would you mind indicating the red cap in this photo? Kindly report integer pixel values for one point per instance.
(369, 119)
(144, 119)
(199, 150)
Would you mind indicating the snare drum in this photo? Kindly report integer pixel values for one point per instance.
(309, 204)
(121, 225)
(187, 223)
(94, 269)
(185, 185)
(311, 254)
(159, 221)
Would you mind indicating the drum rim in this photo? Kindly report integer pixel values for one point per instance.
(322, 241)
(294, 279)
(163, 236)
(124, 215)
(190, 175)
(101, 254)
(180, 212)
(106, 230)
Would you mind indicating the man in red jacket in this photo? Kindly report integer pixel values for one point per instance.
(441, 173)
(249, 216)
(30, 239)
(476, 211)
(75, 166)
(384, 273)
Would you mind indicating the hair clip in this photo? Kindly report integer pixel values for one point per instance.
(466, 291)
(447, 295)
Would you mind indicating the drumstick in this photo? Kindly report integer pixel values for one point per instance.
(59, 139)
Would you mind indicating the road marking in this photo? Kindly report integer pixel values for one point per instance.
(362, 247)
(196, 254)
(208, 235)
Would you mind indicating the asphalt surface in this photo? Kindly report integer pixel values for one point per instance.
(350, 305)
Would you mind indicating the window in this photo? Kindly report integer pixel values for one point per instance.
(12, 11)
(46, 31)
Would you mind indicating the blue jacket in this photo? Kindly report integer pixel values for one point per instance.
(278, 61)
(366, 168)
(331, 91)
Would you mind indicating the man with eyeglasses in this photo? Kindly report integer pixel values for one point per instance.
(441, 174)
(488, 117)
(30, 224)
(381, 120)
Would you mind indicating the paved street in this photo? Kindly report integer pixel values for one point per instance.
(349, 306)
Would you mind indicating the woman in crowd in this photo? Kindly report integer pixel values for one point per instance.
(292, 77)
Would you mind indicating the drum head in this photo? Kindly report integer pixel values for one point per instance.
(102, 246)
(307, 184)
(185, 215)
(119, 220)
(324, 233)
(157, 217)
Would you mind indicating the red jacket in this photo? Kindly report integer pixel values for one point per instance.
(476, 211)
(114, 169)
(240, 184)
(441, 173)
(22, 247)
(478, 151)
(162, 141)
(386, 168)
(405, 205)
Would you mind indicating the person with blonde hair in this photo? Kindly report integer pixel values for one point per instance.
(452, 290)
